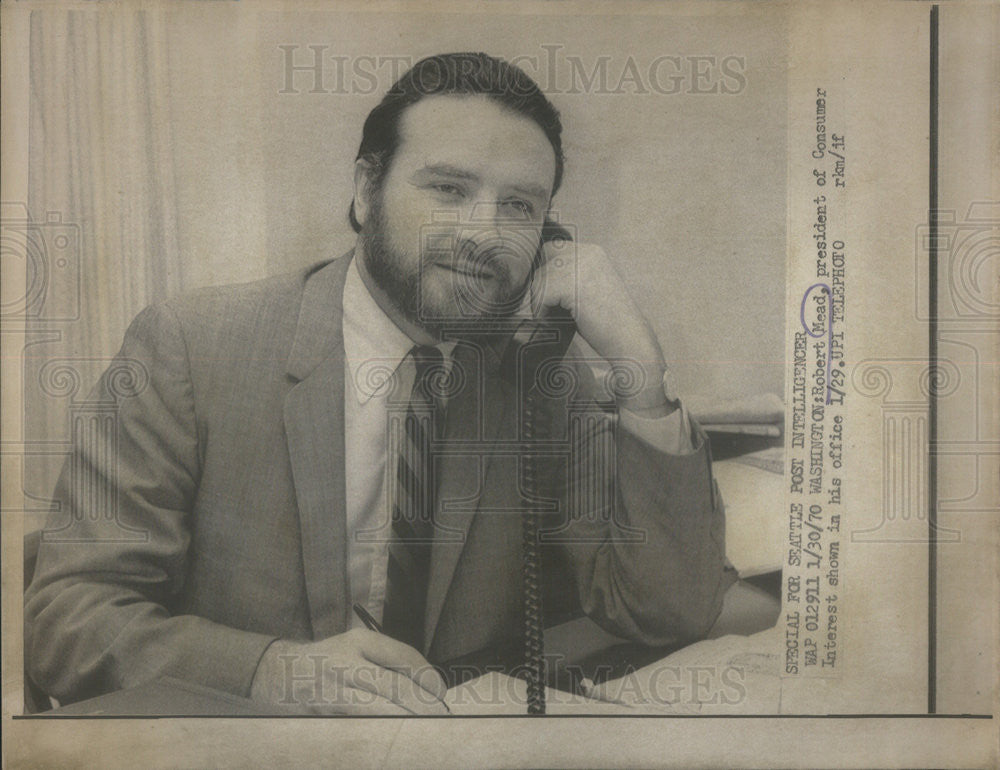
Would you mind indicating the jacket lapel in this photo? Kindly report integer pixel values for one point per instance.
(314, 426)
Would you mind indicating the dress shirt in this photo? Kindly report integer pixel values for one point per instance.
(377, 364)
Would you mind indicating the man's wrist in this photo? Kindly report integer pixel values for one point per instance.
(660, 408)
(656, 399)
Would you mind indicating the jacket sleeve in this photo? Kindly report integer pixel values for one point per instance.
(645, 534)
(112, 558)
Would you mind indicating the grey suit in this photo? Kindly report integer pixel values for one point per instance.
(230, 527)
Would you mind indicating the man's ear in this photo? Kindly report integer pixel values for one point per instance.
(364, 179)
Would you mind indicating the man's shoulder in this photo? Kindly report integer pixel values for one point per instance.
(255, 320)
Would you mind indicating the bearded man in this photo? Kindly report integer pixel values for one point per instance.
(252, 492)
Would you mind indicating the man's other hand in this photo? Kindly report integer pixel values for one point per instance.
(581, 278)
(357, 672)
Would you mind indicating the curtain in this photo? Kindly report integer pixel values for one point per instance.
(144, 180)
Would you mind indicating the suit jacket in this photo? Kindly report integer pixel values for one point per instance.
(203, 517)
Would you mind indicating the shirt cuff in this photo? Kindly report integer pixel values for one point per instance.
(670, 434)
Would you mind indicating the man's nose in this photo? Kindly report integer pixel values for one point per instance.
(487, 228)
(480, 225)
(484, 212)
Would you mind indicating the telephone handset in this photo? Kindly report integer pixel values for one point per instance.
(543, 339)
(535, 343)
(548, 336)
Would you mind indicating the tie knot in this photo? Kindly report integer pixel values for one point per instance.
(430, 373)
(425, 357)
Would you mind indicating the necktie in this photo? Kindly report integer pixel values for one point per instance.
(413, 504)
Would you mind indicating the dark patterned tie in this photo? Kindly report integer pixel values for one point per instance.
(413, 504)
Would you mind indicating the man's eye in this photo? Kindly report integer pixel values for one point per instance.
(447, 189)
(521, 208)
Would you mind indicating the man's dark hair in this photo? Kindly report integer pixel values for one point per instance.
(455, 74)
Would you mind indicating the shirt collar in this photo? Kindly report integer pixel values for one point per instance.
(374, 346)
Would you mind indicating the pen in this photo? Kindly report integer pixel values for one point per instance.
(372, 625)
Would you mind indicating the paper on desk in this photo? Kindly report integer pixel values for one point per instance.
(728, 675)
(755, 515)
(495, 694)
(762, 408)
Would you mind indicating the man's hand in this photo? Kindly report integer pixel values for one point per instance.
(357, 672)
(581, 278)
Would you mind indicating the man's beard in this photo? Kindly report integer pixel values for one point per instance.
(466, 305)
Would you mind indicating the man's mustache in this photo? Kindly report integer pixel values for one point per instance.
(488, 261)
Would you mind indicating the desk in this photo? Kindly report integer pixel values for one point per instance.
(580, 648)
(164, 697)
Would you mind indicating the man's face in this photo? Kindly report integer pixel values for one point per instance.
(453, 231)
